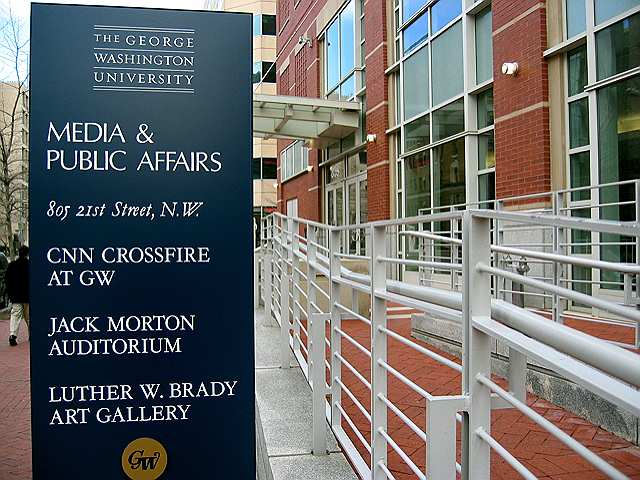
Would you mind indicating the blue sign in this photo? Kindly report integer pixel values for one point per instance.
(142, 361)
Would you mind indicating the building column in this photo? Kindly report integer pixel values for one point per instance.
(521, 101)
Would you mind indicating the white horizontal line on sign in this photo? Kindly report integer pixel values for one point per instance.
(144, 89)
(138, 50)
(144, 69)
(143, 29)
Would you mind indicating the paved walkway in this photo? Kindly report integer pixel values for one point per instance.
(15, 422)
(539, 451)
(284, 402)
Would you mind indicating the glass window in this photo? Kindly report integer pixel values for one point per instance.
(296, 159)
(257, 72)
(341, 53)
(268, 24)
(348, 88)
(618, 47)
(269, 168)
(417, 175)
(577, 70)
(416, 83)
(447, 64)
(448, 120)
(347, 39)
(443, 12)
(256, 169)
(487, 188)
(606, 9)
(619, 156)
(579, 123)
(416, 134)
(448, 174)
(409, 7)
(486, 151)
(268, 72)
(333, 55)
(485, 108)
(576, 17)
(416, 33)
(257, 25)
(581, 236)
(484, 46)
(580, 172)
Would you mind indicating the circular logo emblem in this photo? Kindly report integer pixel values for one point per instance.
(144, 459)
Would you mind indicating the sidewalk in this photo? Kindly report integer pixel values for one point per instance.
(284, 401)
(15, 413)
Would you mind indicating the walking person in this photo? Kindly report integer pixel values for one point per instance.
(17, 281)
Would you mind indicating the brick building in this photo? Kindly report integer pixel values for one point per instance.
(441, 123)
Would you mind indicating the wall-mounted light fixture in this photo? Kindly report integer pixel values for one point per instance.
(510, 68)
(310, 168)
(275, 185)
(371, 137)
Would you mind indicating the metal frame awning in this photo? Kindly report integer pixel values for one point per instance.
(319, 122)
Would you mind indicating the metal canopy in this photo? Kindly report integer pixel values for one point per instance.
(319, 122)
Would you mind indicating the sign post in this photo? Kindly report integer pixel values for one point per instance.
(142, 361)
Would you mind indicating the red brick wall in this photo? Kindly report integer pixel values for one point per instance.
(522, 142)
(378, 182)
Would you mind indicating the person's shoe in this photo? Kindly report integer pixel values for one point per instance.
(13, 340)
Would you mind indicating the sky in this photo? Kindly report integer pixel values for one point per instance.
(21, 8)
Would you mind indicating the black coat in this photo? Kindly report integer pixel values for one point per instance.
(17, 281)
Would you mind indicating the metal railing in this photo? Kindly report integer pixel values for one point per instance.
(304, 278)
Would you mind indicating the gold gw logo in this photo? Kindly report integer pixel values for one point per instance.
(144, 459)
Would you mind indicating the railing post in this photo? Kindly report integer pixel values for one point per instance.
(378, 352)
(476, 346)
(285, 324)
(267, 280)
(556, 302)
(498, 261)
(441, 439)
(295, 268)
(316, 328)
(637, 192)
(336, 323)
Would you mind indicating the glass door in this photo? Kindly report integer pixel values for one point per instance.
(357, 206)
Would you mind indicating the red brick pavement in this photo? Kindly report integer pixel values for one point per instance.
(15, 422)
(538, 450)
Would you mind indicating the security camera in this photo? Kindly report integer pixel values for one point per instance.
(304, 40)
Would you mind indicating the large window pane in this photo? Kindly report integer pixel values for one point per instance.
(579, 123)
(333, 55)
(416, 81)
(348, 88)
(269, 168)
(409, 7)
(416, 33)
(484, 46)
(416, 134)
(485, 108)
(448, 174)
(619, 155)
(577, 70)
(576, 17)
(447, 64)
(448, 120)
(268, 24)
(487, 188)
(606, 9)
(417, 183)
(486, 151)
(268, 72)
(347, 40)
(443, 12)
(618, 47)
(580, 166)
